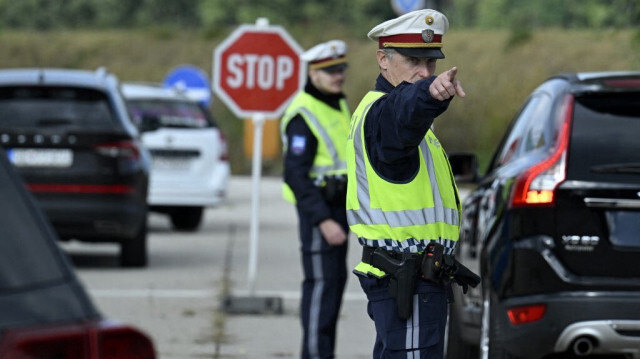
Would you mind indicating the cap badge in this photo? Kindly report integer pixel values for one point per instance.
(427, 35)
(334, 51)
(428, 20)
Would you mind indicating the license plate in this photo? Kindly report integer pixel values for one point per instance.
(171, 163)
(41, 157)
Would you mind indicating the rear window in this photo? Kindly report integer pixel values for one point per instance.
(604, 144)
(173, 114)
(29, 256)
(59, 107)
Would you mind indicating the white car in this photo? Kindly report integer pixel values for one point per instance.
(190, 169)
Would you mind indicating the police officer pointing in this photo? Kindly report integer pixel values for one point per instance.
(402, 200)
(314, 132)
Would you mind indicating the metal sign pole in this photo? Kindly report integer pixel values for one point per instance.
(256, 164)
(252, 304)
(268, 56)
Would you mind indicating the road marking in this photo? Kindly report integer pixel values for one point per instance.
(202, 293)
(155, 293)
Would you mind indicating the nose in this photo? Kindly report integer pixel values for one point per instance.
(424, 70)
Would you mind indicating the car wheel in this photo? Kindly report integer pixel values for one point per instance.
(133, 251)
(186, 218)
(455, 346)
(490, 343)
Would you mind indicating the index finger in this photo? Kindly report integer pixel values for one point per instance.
(452, 73)
(459, 90)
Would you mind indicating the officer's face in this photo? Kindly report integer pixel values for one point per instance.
(327, 82)
(396, 67)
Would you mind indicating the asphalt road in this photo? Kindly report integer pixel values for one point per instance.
(177, 298)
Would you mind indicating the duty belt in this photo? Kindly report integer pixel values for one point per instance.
(367, 252)
(405, 268)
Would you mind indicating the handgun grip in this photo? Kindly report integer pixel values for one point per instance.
(382, 260)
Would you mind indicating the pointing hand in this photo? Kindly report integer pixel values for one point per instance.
(446, 85)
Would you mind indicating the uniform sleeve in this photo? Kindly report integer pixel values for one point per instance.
(396, 124)
(298, 159)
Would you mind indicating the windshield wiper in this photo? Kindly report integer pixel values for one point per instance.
(630, 168)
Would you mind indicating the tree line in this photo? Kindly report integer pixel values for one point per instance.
(359, 15)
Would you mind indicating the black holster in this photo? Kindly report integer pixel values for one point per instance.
(334, 190)
(404, 273)
(445, 269)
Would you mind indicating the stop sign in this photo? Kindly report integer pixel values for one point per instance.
(257, 70)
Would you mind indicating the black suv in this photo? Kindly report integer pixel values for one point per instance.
(69, 134)
(45, 311)
(554, 227)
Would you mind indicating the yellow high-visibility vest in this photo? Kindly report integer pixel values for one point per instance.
(402, 217)
(330, 127)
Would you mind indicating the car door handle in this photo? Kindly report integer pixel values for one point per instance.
(612, 202)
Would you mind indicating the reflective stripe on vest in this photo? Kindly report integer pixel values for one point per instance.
(437, 223)
(339, 165)
(318, 115)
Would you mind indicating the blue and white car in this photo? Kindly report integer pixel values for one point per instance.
(190, 168)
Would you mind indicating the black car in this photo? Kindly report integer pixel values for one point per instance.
(553, 227)
(44, 310)
(69, 134)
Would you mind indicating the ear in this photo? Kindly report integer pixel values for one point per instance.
(383, 59)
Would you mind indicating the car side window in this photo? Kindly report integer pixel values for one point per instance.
(529, 131)
(538, 132)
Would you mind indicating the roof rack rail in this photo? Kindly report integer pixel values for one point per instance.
(102, 71)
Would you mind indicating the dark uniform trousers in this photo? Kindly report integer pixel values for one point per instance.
(419, 337)
(325, 277)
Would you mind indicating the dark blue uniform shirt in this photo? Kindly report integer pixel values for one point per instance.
(299, 160)
(396, 124)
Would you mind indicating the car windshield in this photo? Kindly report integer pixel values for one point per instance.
(175, 114)
(61, 107)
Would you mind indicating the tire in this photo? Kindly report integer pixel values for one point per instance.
(186, 218)
(491, 346)
(456, 347)
(133, 251)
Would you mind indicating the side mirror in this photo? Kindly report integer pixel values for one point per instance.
(149, 123)
(464, 167)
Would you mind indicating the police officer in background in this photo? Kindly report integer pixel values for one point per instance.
(402, 200)
(314, 132)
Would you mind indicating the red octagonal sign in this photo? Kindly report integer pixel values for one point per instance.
(257, 70)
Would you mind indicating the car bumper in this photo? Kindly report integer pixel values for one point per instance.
(610, 318)
(207, 192)
(102, 219)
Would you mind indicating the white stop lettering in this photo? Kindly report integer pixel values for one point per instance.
(265, 71)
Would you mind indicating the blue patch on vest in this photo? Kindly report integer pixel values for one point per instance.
(298, 144)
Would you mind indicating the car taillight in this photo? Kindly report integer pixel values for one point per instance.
(224, 149)
(121, 342)
(526, 314)
(126, 149)
(536, 186)
(95, 340)
(67, 342)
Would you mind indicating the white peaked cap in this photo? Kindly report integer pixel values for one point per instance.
(417, 34)
(330, 53)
